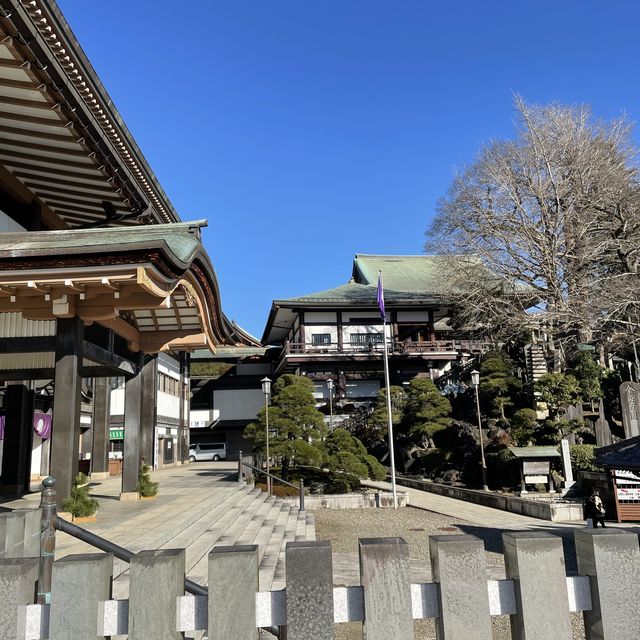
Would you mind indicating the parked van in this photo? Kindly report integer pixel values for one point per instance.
(208, 451)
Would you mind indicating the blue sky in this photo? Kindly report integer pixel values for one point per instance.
(306, 131)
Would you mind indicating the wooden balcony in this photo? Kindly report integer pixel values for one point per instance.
(442, 347)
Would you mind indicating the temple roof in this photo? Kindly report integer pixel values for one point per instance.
(153, 285)
(623, 455)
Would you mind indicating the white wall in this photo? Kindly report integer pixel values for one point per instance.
(168, 405)
(117, 402)
(332, 330)
(238, 404)
(413, 316)
(168, 365)
(329, 317)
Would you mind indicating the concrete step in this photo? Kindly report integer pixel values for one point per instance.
(311, 527)
(272, 552)
(279, 576)
(267, 512)
(266, 531)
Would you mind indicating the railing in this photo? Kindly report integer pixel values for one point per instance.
(395, 348)
(300, 488)
(537, 594)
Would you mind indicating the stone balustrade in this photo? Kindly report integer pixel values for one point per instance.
(537, 594)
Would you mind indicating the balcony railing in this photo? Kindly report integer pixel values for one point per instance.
(395, 348)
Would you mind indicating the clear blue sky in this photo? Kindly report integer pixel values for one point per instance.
(308, 130)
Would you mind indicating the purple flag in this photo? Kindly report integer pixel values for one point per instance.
(1, 427)
(381, 298)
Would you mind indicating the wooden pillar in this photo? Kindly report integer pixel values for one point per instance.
(148, 410)
(132, 454)
(183, 432)
(101, 422)
(65, 433)
(301, 332)
(339, 327)
(431, 328)
(18, 437)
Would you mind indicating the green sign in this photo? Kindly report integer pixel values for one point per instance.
(116, 434)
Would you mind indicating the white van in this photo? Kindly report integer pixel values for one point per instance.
(208, 451)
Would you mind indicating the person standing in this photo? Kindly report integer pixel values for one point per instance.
(594, 509)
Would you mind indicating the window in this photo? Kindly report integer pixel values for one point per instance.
(365, 339)
(318, 339)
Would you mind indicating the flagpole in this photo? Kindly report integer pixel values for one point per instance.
(388, 387)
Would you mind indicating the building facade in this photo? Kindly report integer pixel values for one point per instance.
(337, 334)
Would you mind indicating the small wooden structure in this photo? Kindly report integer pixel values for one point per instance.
(535, 465)
(622, 462)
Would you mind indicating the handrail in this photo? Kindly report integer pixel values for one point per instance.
(300, 487)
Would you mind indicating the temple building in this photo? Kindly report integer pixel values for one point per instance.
(103, 290)
(335, 337)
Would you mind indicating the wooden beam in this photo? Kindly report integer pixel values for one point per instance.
(28, 103)
(124, 330)
(154, 341)
(19, 84)
(27, 374)
(34, 180)
(38, 157)
(23, 117)
(46, 148)
(11, 63)
(35, 344)
(85, 203)
(53, 191)
(108, 359)
(61, 138)
(93, 172)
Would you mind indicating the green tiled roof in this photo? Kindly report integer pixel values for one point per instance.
(179, 238)
(354, 293)
(427, 274)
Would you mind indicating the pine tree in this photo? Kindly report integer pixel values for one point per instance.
(426, 412)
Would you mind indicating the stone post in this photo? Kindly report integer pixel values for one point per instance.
(459, 568)
(611, 559)
(132, 454)
(309, 593)
(18, 577)
(566, 464)
(157, 579)
(233, 582)
(11, 535)
(535, 561)
(80, 583)
(630, 405)
(384, 576)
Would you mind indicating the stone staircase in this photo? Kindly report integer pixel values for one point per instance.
(238, 515)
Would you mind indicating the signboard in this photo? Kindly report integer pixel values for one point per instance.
(630, 403)
(626, 494)
(535, 467)
(116, 434)
(536, 479)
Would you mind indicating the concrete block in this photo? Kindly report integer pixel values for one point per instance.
(156, 580)
(459, 567)
(32, 530)
(18, 578)
(611, 559)
(384, 576)
(13, 528)
(309, 593)
(129, 496)
(233, 582)
(535, 561)
(79, 583)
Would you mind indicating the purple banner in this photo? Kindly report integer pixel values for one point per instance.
(1, 427)
(42, 424)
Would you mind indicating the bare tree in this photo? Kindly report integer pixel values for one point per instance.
(549, 227)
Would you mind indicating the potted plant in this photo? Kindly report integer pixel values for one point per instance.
(80, 504)
(146, 488)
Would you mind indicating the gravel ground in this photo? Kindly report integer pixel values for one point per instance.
(343, 527)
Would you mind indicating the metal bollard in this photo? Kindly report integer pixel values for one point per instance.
(47, 539)
(301, 508)
(240, 469)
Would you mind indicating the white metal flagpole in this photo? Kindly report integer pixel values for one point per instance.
(388, 387)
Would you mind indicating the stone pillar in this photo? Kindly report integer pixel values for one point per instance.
(611, 559)
(101, 422)
(18, 577)
(132, 454)
(309, 593)
(18, 438)
(459, 568)
(535, 561)
(149, 385)
(233, 582)
(384, 576)
(156, 582)
(566, 464)
(80, 583)
(65, 432)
